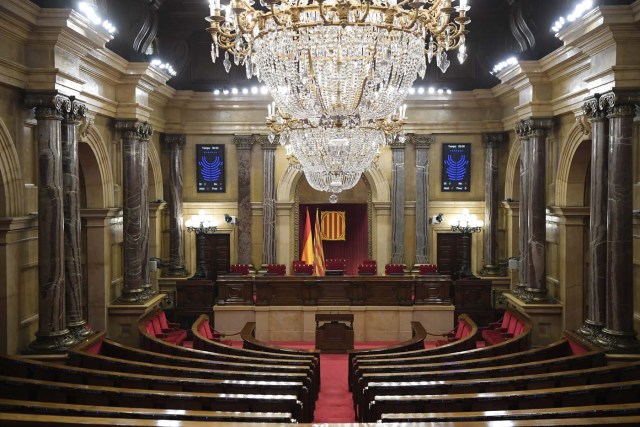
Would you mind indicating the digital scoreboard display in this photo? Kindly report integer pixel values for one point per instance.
(456, 167)
(210, 167)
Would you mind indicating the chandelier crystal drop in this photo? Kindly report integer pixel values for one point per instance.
(336, 58)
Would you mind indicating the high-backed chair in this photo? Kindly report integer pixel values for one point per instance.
(367, 269)
(301, 268)
(394, 269)
(239, 269)
(276, 269)
(335, 266)
(428, 269)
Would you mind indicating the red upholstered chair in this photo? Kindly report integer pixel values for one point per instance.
(428, 269)
(276, 269)
(240, 269)
(335, 266)
(370, 262)
(302, 268)
(394, 269)
(367, 269)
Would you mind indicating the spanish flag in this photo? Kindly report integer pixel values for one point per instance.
(307, 242)
(318, 252)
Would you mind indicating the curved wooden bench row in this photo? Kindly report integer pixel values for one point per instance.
(570, 413)
(604, 374)
(37, 420)
(487, 368)
(464, 343)
(248, 335)
(25, 368)
(31, 408)
(598, 394)
(258, 361)
(201, 342)
(60, 392)
(519, 343)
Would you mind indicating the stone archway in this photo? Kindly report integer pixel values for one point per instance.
(380, 204)
(96, 169)
(11, 182)
(512, 178)
(155, 189)
(573, 167)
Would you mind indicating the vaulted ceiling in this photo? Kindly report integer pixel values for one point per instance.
(174, 30)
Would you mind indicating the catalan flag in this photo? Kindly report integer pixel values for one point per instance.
(307, 242)
(318, 252)
(333, 225)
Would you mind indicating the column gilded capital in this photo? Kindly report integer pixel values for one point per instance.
(533, 127)
(593, 110)
(493, 139)
(619, 103)
(174, 141)
(134, 129)
(268, 142)
(243, 142)
(76, 113)
(48, 105)
(422, 141)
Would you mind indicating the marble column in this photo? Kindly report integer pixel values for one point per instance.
(143, 159)
(243, 148)
(536, 269)
(397, 203)
(175, 143)
(523, 136)
(597, 275)
(422, 143)
(135, 135)
(52, 334)
(491, 143)
(618, 333)
(75, 318)
(269, 200)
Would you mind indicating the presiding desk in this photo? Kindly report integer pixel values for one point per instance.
(401, 290)
(334, 332)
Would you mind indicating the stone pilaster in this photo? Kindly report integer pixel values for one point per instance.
(52, 335)
(175, 143)
(75, 318)
(596, 288)
(536, 270)
(618, 333)
(492, 142)
(143, 165)
(269, 200)
(422, 143)
(397, 203)
(135, 136)
(243, 148)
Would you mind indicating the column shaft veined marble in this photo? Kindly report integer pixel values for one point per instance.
(397, 203)
(144, 212)
(75, 317)
(175, 143)
(537, 276)
(597, 275)
(52, 334)
(491, 142)
(523, 210)
(243, 148)
(619, 333)
(269, 201)
(422, 143)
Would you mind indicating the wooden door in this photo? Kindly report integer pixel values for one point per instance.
(450, 253)
(217, 250)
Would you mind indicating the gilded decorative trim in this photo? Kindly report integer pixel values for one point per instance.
(243, 142)
(174, 140)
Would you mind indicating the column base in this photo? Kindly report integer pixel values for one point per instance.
(176, 272)
(124, 318)
(519, 289)
(590, 329)
(493, 270)
(148, 291)
(58, 342)
(132, 296)
(618, 341)
(80, 331)
(533, 295)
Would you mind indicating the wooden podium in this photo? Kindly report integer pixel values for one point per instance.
(334, 333)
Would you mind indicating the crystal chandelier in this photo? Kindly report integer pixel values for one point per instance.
(333, 158)
(337, 58)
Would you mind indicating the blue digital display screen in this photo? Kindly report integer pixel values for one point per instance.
(210, 167)
(456, 167)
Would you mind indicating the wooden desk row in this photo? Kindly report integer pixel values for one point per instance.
(333, 290)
